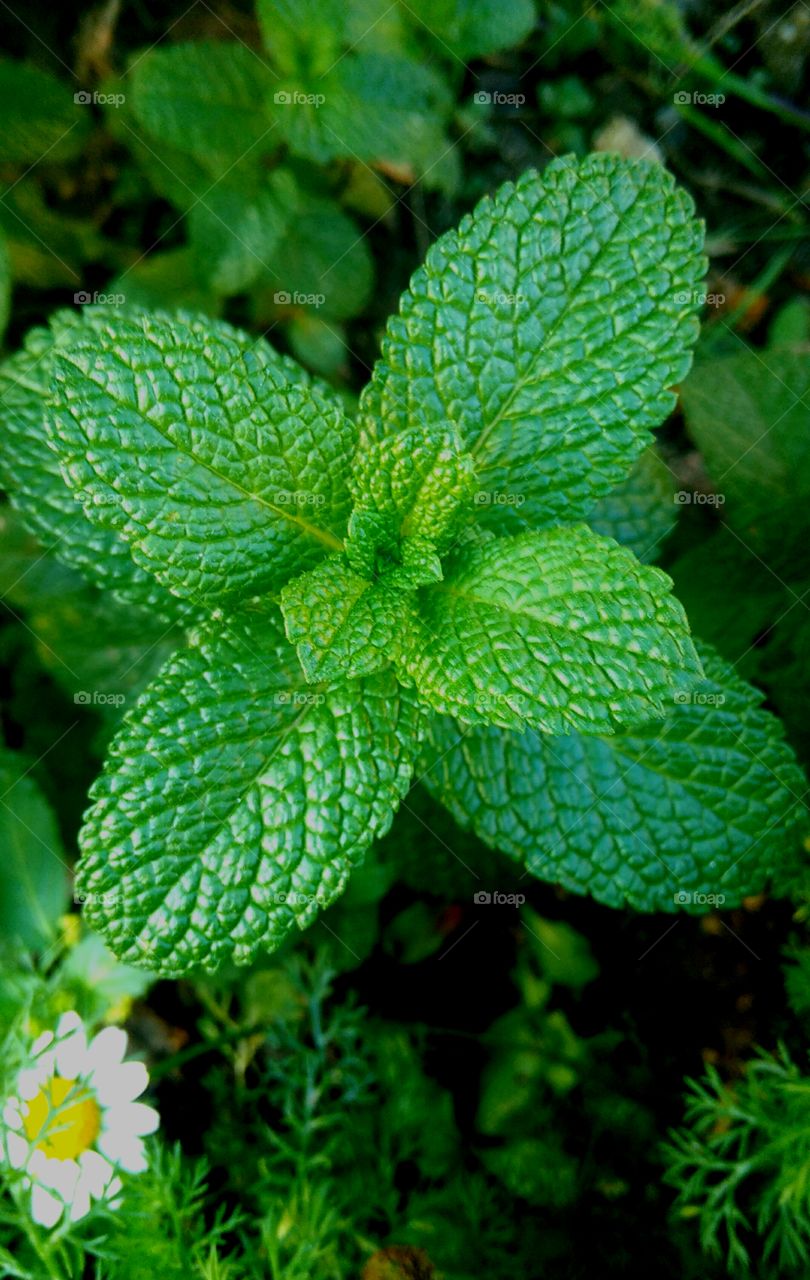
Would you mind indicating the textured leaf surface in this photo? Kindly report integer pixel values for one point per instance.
(29, 471)
(204, 98)
(343, 623)
(237, 799)
(421, 479)
(704, 804)
(558, 629)
(641, 510)
(548, 329)
(218, 460)
(33, 871)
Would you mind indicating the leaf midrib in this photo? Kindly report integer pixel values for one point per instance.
(323, 536)
(520, 383)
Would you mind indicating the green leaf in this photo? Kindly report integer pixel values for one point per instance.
(748, 415)
(166, 280)
(731, 598)
(41, 119)
(641, 510)
(558, 629)
(220, 462)
(473, 28)
(344, 624)
(791, 326)
(102, 651)
(237, 799)
(657, 817)
(319, 345)
(375, 107)
(29, 471)
(100, 984)
(302, 36)
(33, 872)
(322, 267)
(548, 328)
(420, 479)
(235, 233)
(206, 99)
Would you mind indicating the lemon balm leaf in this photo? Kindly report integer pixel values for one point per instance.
(421, 480)
(221, 463)
(204, 98)
(660, 817)
(549, 328)
(236, 800)
(29, 470)
(558, 629)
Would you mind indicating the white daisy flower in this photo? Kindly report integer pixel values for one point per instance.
(74, 1122)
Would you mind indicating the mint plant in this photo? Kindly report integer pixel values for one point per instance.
(419, 589)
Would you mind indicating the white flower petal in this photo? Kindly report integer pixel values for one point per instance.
(68, 1022)
(12, 1114)
(96, 1173)
(45, 1208)
(116, 1086)
(125, 1150)
(132, 1118)
(16, 1149)
(71, 1055)
(114, 1188)
(41, 1043)
(31, 1080)
(60, 1175)
(107, 1049)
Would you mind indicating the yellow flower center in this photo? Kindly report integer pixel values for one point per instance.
(63, 1119)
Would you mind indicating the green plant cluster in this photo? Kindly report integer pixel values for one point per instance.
(403, 642)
